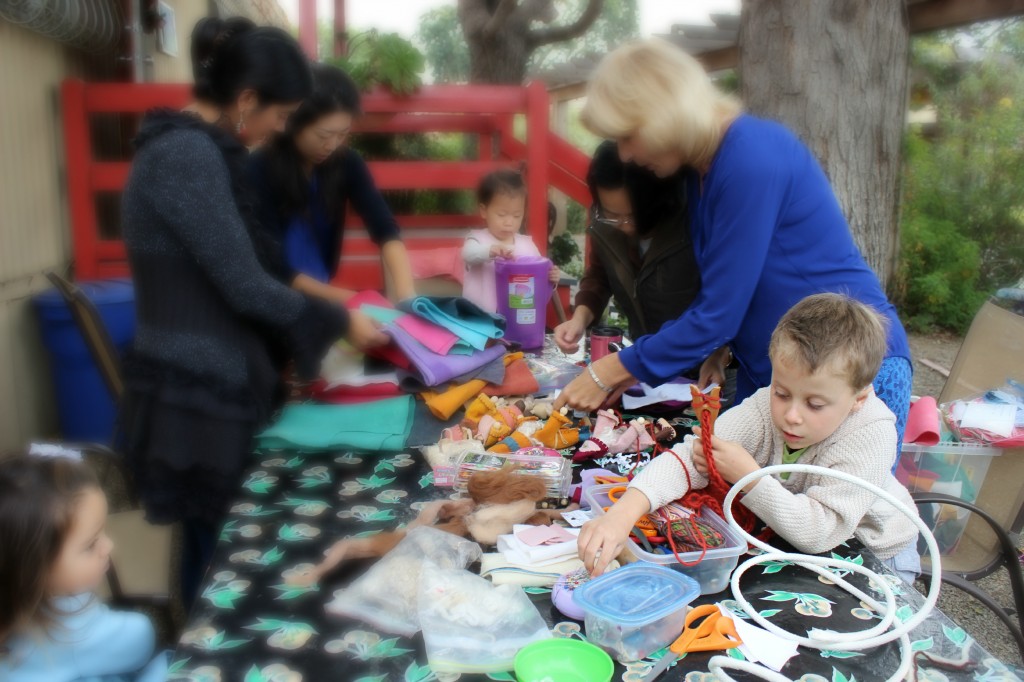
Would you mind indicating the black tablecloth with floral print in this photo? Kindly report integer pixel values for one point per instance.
(250, 625)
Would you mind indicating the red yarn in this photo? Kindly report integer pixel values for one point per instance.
(713, 495)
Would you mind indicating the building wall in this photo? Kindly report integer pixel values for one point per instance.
(33, 224)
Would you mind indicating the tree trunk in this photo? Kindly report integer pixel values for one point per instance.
(835, 72)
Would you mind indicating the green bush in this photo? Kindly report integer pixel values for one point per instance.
(939, 274)
(962, 233)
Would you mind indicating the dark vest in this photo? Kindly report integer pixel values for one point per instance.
(657, 288)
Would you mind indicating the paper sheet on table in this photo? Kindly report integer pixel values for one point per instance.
(759, 645)
(519, 552)
(997, 419)
(657, 394)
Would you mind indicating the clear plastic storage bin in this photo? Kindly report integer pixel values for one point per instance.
(956, 469)
(636, 610)
(712, 573)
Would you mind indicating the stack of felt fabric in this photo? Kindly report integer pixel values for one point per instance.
(445, 350)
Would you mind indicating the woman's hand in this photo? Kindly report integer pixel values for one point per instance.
(731, 459)
(554, 275)
(363, 331)
(569, 333)
(712, 371)
(583, 393)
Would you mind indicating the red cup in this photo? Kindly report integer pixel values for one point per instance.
(604, 340)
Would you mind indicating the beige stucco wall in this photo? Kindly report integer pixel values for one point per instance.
(33, 224)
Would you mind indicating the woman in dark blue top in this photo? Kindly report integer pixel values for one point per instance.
(305, 178)
(767, 229)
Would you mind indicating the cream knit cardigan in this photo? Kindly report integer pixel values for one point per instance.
(813, 513)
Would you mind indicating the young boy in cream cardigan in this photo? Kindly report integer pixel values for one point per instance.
(820, 409)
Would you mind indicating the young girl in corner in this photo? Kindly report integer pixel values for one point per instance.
(53, 553)
(502, 199)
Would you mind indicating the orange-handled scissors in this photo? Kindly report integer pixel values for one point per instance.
(713, 634)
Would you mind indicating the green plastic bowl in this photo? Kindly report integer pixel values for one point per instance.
(563, 660)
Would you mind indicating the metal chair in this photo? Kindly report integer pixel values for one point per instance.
(140, 572)
(1007, 557)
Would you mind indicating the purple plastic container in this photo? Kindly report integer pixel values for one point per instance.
(523, 290)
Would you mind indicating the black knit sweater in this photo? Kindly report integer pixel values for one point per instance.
(204, 300)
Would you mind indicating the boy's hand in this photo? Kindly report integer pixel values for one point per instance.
(601, 540)
(554, 275)
(731, 460)
(500, 251)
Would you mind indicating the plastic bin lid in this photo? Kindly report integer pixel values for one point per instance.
(637, 594)
(100, 292)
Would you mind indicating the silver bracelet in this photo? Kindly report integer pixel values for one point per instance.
(600, 384)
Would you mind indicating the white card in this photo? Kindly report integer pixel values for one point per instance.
(576, 518)
(997, 419)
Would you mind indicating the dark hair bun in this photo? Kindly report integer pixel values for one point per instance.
(210, 39)
(232, 55)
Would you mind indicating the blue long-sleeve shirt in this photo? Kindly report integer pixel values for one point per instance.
(767, 231)
(90, 643)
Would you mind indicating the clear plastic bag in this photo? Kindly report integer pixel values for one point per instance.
(473, 626)
(386, 595)
(962, 417)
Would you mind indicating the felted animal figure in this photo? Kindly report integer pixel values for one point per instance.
(497, 501)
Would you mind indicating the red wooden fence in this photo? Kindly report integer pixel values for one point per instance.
(486, 111)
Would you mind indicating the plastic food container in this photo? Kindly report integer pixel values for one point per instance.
(636, 610)
(554, 470)
(712, 573)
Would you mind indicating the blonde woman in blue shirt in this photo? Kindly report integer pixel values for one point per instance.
(767, 228)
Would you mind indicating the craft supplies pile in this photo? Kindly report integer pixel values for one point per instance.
(519, 480)
(443, 354)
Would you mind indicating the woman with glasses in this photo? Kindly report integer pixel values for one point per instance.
(305, 178)
(640, 250)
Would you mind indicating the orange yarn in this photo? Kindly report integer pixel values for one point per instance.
(707, 407)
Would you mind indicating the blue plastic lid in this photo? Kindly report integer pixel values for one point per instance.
(637, 594)
(99, 291)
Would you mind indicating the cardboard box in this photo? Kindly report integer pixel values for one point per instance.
(992, 351)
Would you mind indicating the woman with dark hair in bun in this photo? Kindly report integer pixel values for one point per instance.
(200, 379)
(304, 179)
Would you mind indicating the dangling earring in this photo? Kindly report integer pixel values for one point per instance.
(240, 126)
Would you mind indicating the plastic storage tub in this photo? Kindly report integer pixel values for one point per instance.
(84, 405)
(712, 573)
(956, 469)
(636, 610)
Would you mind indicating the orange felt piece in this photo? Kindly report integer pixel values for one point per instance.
(519, 380)
(443, 405)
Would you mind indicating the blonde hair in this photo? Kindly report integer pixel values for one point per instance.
(654, 91)
(834, 331)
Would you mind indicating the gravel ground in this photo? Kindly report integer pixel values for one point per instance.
(974, 618)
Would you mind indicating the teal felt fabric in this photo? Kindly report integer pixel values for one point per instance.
(381, 425)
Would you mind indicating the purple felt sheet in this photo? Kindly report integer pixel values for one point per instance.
(434, 368)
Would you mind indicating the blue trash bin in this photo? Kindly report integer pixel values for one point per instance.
(85, 408)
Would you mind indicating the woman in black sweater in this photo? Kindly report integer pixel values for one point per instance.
(305, 178)
(200, 379)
